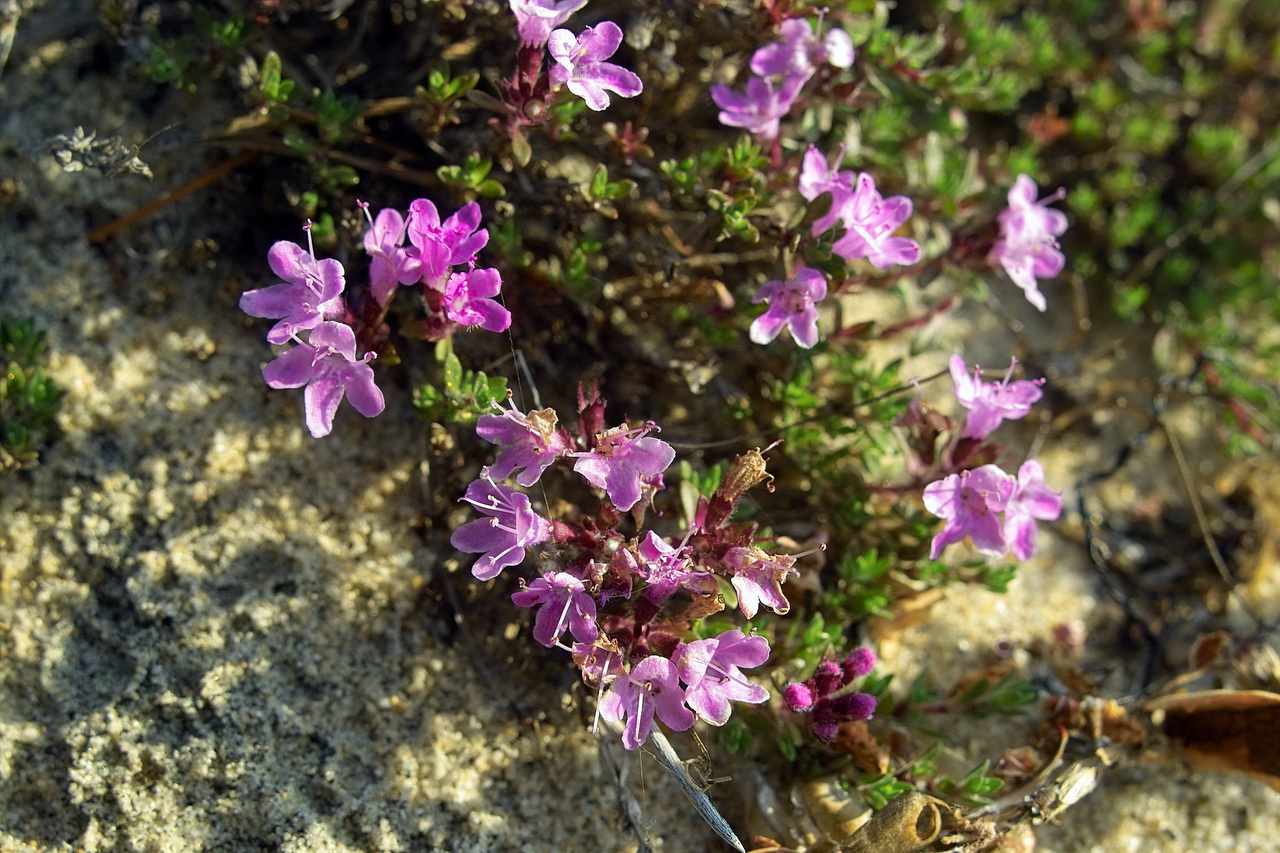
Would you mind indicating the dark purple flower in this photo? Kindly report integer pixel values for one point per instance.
(829, 712)
(533, 442)
(311, 295)
(859, 662)
(580, 65)
(824, 699)
(535, 19)
(622, 460)
(1031, 500)
(565, 605)
(798, 696)
(870, 221)
(1028, 245)
(760, 108)
(502, 538)
(991, 403)
(711, 671)
(969, 501)
(467, 300)
(828, 678)
(792, 305)
(327, 365)
(650, 688)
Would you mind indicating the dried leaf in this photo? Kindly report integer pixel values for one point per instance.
(1231, 730)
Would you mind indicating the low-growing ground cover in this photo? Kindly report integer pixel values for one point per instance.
(665, 323)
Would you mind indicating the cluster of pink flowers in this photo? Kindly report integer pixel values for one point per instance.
(314, 314)
(864, 221)
(996, 511)
(607, 591)
(868, 220)
(779, 72)
(580, 64)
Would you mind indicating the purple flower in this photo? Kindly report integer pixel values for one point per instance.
(1028, 248)
(533, 442)
(859, 662)
(991, 403)
(580, 65)
(511, 527)
(327, 365)
(969, 502)
(440, 245)
(799, 697)
(761, 107)
(621, 459)
(819, 696)
(390, 262)
(799, 52)
(830, 712)
(313, 292)
(816, 178)
(565, 604)
(665, 568)
(710, 669)
(535, 19)
(467, 302)
(1031, 500)
(650, 688)
(870, 220)
(792, 304)
(758, 578)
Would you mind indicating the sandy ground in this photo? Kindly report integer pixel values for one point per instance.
(220, 634)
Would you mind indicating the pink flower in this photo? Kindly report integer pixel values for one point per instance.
(969, 501)
(762, 106)
(467, 300)
(664, 568)
(1031, 500)
(793, 305)
(327, 365)
(710, 670)
(870, 220)
(758, 578)
(502, 538)
(650, 688)
(312, 294)
(535, 19)
(533, 442)
(621, 460)
(816, 178)
(800, 52)
(1028, 248)
(580, 65)
(991, 403)
(566, 605)
(390, 263)
(440, 245)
